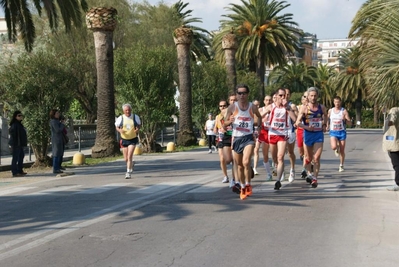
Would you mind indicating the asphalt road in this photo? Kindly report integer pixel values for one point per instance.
(176, 212)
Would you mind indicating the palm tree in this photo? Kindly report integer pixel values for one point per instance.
(377, 26)
(350, 81)
(321, 76)
(19, 20)
(103, 22)
(266, 37)
(293, 76)
(201, 42)
(183, 37)
(230, 45)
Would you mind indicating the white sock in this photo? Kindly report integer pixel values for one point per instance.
(267, 167)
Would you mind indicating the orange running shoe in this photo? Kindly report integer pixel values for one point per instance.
(243, 194)
(248, 190)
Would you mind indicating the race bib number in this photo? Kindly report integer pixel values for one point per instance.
(280, 125)
(243, 124)
(337, 125)
(315, 123)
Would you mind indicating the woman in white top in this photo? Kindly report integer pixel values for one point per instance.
(210, 134)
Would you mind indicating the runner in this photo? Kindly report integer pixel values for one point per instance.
(299, 138)
(220, 133)
(315, 116)
(263, 138)
(257, 144)
(224, 145)
(291, 136)
(241, 117)
(338, 118)
(280, 114)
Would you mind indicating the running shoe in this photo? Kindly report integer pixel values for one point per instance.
(236, 188)
(336, 152)
(341, 168)
(255, 171)
(232, 183)
(277, 185)
(314, 183)
(225, 180)
(210, 151)
(304, 174)
(291, 178)
(269, 177)
(309, 179)
(128, 175)
(243, 193)
(393, 188)
(248, 190)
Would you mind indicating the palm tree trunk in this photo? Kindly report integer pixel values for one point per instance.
(230, 45)
(183, 39)
(260, 72)
(105, 144)
(375, 118)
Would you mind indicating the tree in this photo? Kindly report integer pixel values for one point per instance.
(265, 36)
(230, 45)
(36, 83)
(183, 37)
(19, 20)
(322, 78)
(209, 86)
(103, 22)
(145, 79)
(293, 76)
(376, 24)
(350, 82)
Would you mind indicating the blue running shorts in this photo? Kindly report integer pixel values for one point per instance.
(340, 135)
(310, 138)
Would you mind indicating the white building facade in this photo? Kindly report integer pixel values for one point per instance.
(329, 50)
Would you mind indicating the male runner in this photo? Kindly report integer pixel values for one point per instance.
(315, 116)
(280, 114)
(338, 118)
(263, 138)
(241, 117)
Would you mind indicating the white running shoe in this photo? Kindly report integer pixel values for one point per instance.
(341, 168)
(225, 180)
(210, 151)
(269, 177)
(128, 175)
(232, 183)
(255, 171)
(291, 178)
(393, 188)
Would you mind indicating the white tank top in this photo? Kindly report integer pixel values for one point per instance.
(244, 121)
(337, 120)
(278, 122)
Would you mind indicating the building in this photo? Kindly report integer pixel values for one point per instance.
(329, 50)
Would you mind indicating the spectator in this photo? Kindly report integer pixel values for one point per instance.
(57, 143)
(210, 134)
(18, 140)
(390, 143)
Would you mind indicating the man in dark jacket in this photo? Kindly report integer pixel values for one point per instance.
(18, 140)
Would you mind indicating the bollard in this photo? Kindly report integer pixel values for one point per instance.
(202, 142)
(79, 159)
(138, 150)
(170, 147)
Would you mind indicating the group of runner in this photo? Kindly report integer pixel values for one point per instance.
(243, 128)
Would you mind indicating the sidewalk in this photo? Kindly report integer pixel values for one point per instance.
(5, 161)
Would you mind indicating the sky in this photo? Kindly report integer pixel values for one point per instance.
(328, 19)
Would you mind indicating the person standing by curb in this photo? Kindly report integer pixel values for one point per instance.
(18, 140)
(211, 136)
(390, 143)
(57, 142)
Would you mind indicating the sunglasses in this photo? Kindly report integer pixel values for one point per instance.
(242, 93)
(222, 106)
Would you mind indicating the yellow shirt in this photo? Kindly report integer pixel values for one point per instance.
(128, 127)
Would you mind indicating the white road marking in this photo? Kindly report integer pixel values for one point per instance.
(13, 190)
(102, 189)
(53, 190)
